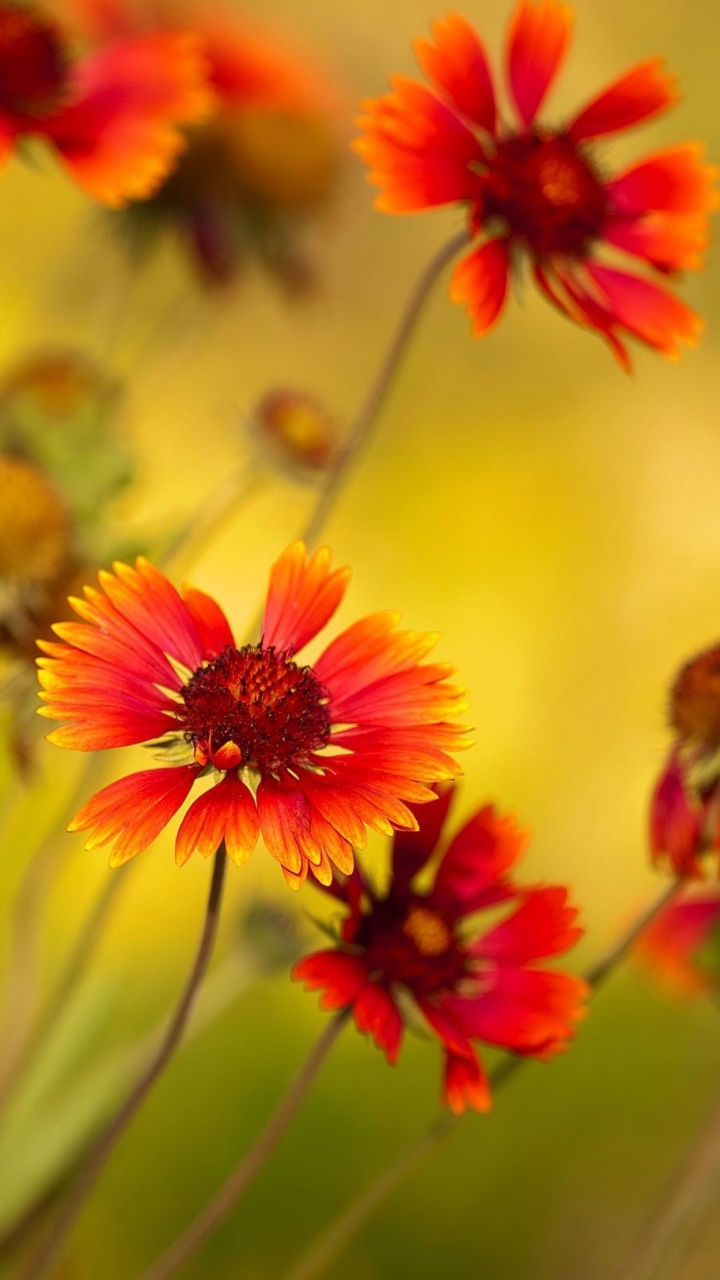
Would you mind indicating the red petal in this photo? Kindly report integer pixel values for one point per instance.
(465, 1084)
(668, 242)
(302, 597)
(412, 849)
(212, 626)
(676, 823)
(670, 945)
(538, 40)
(120, 136)
(543, 925)
(532, 1011)
(673, 181)
(573, 300)
(457, 62)
(338, 975)
(418, 149)
(480, 282)
(225, 812)
(131, 812)
(377, 1014)
(652, 314)
(636, 96)
(477, 861)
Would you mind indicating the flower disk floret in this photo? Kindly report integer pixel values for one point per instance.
(424, 945)
(308, 756)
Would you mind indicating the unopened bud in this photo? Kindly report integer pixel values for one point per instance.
(296, 431)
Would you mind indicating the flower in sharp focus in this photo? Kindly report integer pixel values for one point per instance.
(685, 807)
(112, 117)
(425, 946)
(309, 756)
(680, 945)
(267, 161)
(540, 192)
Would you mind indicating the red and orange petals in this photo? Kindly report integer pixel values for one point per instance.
(637, 96)
(538, 41)
(302, 597)
(645, 310)
(226, 813)
(671, 945)
(677, 822)
(121, 133)
(675, 180)
(130, 813)
(667, 242)
(480, 283)
(474, 870)
(417, 148)
(376, 1014)
(455, 59)
(465, 1084)
(530, 1011)
(339, 976)
(544, 924)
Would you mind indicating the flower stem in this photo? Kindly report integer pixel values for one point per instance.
(94, 1162)
(245, 1172)
(332, 1239)
(375, 398)
(673, 1226)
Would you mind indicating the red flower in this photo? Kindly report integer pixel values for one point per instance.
(540, 190)
(307, 756)
(264, 163)
(112, 117)
(468, 986)
(685, 807)
(672, 945)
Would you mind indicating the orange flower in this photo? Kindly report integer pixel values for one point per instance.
(672, 946)
(266, 160)
(307, 756)
(539, 191)
(112, 117)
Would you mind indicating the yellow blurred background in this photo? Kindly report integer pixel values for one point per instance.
(559, 522)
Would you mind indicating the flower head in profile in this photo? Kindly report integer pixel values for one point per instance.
(538, 191)
(308, 756)
(262, 166)
(113, 117)
(676, 947)
(424, 947)
(685, 806)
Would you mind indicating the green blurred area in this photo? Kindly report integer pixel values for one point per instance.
(559, 523)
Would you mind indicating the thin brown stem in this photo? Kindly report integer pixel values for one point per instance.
(375, 398)
(331, 1240)
(247, 1170)
(95, 1160)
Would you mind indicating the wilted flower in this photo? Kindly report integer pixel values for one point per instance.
(685, 808)
(425, 945)
(308, 756)
(112, 117)
(540, 191)
(676, 947)
(267, 159)
(296, 432)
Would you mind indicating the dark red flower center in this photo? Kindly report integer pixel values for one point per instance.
(254, 708)
(695, 700)
(413, 944)
(543, 191)
(33, 63)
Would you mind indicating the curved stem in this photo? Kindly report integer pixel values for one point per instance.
(692, 1192)
(240, 1179)
(94, 1162)
(331, 1240)
(375, 398)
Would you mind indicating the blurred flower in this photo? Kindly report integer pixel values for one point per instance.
(267, 159)
(676, 947)
(112, 117)
(468, 986)
(685, 807)
(295, 431)
(328, 749)
(59, 409)
(35, 542)
(540, 191)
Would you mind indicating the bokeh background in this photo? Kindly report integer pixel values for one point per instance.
(560, 524)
